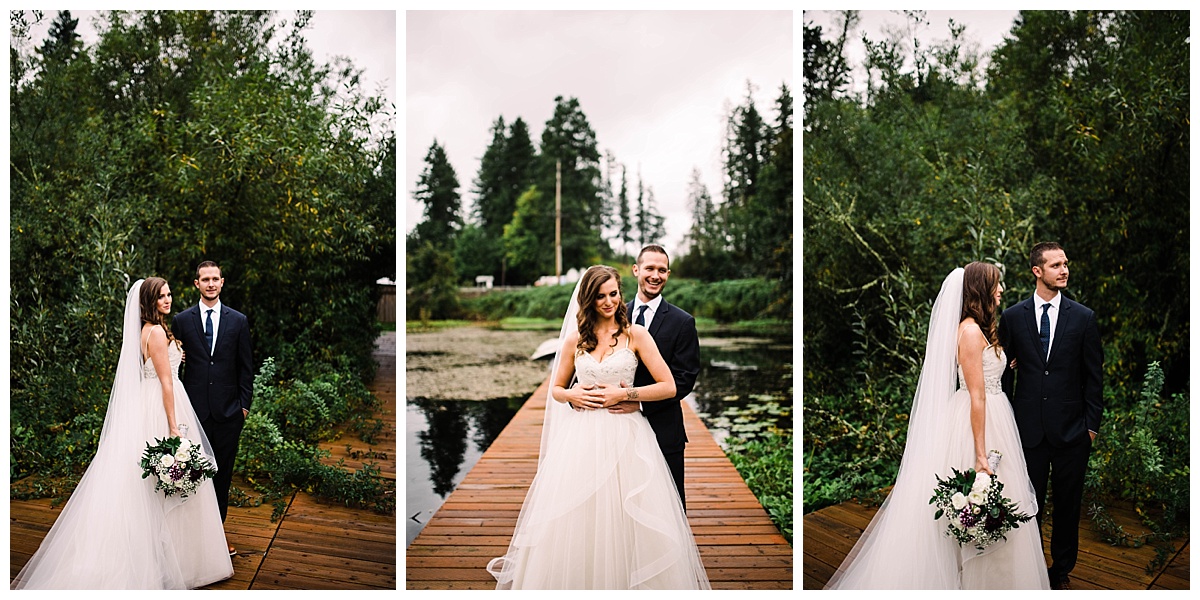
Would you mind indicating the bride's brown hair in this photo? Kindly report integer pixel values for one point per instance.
(589, 290)
(148, 298)
(979, 281)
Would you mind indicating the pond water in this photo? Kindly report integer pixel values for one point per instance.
(743, 389)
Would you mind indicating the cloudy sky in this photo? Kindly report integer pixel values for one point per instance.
(985, 29)
(654, 86)
(367, 37)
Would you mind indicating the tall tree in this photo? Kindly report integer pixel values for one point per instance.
(624, 215)
(569, 139)
(437, 189)
(62, 42)
(490, 208)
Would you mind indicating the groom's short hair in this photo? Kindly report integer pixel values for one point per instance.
(206, 264)
(1035, 256)
(652, 248)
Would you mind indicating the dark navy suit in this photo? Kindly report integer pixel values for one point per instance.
(219, 384)
(674, 332)
(1056, 401)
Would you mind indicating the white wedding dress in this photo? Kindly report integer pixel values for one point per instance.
(116, 531)
(904, 547)
(602, 511)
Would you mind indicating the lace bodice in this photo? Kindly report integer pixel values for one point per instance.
(174, 356)
(615, 368)
(993, 368)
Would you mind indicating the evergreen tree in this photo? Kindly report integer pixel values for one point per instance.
(624, 216)
(490, 209)
(568, 138)
(62, 42)
(437, 189)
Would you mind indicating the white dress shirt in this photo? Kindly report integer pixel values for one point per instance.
(1055, 302)
(651, 310)
(216, 319)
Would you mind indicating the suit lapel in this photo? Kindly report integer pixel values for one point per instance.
(1064, 319)
(656, 324)
(1032, 327)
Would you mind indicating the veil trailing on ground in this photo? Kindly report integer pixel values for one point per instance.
(113, 533)
(903, 548)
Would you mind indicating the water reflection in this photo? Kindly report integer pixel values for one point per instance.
(444, 440)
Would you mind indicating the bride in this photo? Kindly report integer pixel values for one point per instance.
(602, 511)
(904, 547)
(116, 531)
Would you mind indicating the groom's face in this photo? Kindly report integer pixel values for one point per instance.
(1053, 272)
(652, 273)
(210, 283)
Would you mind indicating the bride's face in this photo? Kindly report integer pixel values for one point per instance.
(608, 299)
(163, 304)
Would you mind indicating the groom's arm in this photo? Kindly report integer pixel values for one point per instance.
(686, 364)
(1093, 376)
(245, 366)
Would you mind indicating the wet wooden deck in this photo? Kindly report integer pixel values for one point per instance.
(740, 547)
(831, 532)
(314, 546)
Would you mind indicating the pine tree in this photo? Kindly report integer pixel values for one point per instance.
(489, 209)
(437, 189)
(568, 138)
(624, 216)
(62, 42)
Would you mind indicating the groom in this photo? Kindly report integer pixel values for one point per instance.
(1055, 344)
(674, 332)
(219, 373)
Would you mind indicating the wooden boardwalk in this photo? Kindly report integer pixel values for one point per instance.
(314, 546)
(831, 532)
(740, 547)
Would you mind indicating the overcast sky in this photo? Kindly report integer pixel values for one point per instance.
(367, 37)
(985, 29)
(654, 86)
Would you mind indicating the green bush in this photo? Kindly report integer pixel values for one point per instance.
(1141, 457)
(766, 465)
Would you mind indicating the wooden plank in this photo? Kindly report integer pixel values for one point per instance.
(739, 545)
(313, 546)
(831, 532)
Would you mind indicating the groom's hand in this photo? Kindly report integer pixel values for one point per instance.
(624, 407)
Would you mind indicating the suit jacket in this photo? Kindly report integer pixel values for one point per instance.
(219, 383)
(1057, 398)
(674, 332)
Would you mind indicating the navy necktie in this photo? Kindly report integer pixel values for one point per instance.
(1045, 331)
(641, 318)
(208, 330)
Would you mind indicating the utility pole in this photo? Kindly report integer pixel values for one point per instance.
(558, 221)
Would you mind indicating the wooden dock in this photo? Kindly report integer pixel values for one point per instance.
(740, 547)
(831, 532)
(314, 546)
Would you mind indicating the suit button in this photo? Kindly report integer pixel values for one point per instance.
(1047, 372)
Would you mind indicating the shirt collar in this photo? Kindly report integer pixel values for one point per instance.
(653, 304)
(1054, 302)
(204, 309)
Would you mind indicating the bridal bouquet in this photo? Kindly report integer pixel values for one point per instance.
(177, 464)
(975, 507)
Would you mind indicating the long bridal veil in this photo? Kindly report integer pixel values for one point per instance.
(903, 548)
(112, 533)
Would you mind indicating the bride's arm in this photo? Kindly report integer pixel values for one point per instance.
(971, 345)
(162, 366)
(562, 377)
(663, 387)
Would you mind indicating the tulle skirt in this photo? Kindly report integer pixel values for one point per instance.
(601, 513)
(1017, 562)
(117, 532)
(905, 548)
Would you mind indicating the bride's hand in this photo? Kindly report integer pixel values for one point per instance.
(175, 432)
(981, 465)
(584, 398)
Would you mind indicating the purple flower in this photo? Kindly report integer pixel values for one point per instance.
(966, 518)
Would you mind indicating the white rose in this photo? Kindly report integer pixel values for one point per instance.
(976, 497)
(182, 455)
(166, 461)
(165, 478)
(185, 445)
(958, 500)
(982, 481)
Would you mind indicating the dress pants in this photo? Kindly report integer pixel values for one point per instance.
(1064, 467)
(224, 439)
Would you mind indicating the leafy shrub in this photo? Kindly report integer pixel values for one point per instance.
(766, 465)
